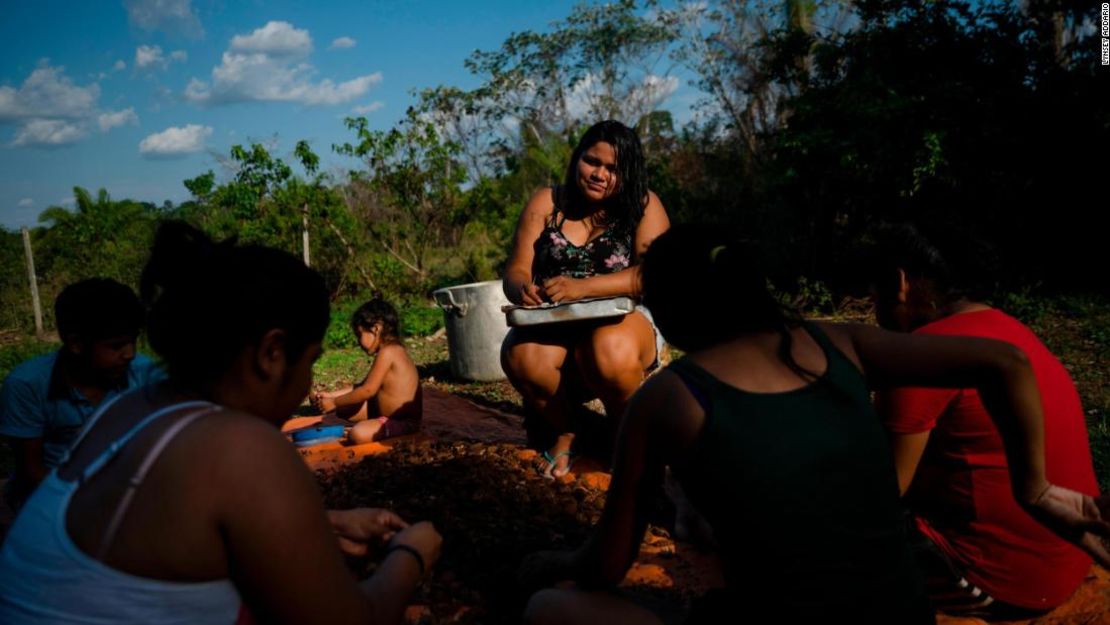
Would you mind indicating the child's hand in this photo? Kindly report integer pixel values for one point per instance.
(360, 528)
(325, 404)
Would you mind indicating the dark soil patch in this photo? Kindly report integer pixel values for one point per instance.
(492, 510)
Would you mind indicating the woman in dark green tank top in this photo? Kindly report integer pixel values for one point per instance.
(768, 425)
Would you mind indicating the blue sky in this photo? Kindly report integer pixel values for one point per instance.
(137, 95)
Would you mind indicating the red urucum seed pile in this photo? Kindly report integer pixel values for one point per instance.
(492, 510)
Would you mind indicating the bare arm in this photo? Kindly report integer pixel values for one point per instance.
(373, 382)
(908, 449)
(909, 415)
(998, 370)
(663, 419)
(517, 282)
(283, 553)
(656, 427)
(1004, 379)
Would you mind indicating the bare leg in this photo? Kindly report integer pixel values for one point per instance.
(534, 363)
(358, 412)
(364, 431)
(614, 359)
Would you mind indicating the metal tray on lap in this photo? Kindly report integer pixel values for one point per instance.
(597, 308)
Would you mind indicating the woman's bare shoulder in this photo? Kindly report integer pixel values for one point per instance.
(231, 430)
(542, 201)
(843, 335)
(237, 447)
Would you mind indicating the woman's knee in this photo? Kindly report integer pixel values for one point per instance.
(611, 356)
(532, 365)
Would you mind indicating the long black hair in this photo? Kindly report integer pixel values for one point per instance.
(209, 300)
(704, 287)
(625, 207)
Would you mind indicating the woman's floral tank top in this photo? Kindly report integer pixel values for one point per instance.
(555, 255)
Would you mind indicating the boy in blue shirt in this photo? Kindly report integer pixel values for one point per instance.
(45, 401)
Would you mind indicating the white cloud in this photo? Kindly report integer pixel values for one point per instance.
(119, 66)
(269, 65)
(111, 119)
(145, 56)
(170, 16)
(274, 39)
(173, 141)
(25, 202)
(47, 92)
(343, 42)
(151, 56)
(52, 111)
(197, 90)
(48, 133)
(369, 108)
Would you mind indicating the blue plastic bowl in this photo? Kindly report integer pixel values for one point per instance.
(317, 435)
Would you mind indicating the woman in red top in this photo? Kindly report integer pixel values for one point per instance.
(983, 553)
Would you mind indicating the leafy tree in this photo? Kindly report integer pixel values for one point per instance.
(99, 237)
(409, 193)
(266, 203)
(604, 61)
(747, 86)
(926, 112)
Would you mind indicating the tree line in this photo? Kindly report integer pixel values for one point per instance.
(817, 119)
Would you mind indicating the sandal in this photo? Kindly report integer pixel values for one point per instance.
(547, 471)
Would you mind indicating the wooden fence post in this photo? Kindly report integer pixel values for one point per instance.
(33, 280)
(304, 214)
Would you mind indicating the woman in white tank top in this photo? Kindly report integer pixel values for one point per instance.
(182, 502)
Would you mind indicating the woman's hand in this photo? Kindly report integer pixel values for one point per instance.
(1079, 519)
(361, 529)
(564, 289)
(544, 568)
(422, 537)
(530, 294)
(325, 404)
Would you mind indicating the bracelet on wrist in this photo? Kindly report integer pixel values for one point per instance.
(409, 550)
